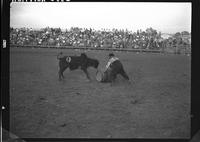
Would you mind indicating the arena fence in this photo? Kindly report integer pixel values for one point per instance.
(173, 50)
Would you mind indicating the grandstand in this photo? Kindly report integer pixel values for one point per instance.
(75, 37)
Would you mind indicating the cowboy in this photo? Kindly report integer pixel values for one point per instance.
(113, 68)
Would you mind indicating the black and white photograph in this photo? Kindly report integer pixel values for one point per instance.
(100, 70)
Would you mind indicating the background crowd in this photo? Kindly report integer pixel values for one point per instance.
(105, 38)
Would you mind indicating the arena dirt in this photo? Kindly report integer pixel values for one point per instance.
(155, 105)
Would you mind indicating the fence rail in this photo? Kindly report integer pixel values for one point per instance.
(162, 50)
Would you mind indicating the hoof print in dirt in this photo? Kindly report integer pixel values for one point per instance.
(184, 74)
(134, 101)
(63, 125)
(77, 93)
(42, 98)
(42, 122)
(165, 93)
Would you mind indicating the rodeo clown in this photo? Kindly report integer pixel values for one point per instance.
(113, 68)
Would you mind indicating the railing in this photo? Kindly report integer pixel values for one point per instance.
(88, 48)
(174, 50)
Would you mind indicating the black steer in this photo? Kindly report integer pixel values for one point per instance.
(75, 62)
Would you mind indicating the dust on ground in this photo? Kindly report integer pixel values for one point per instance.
(155, 105)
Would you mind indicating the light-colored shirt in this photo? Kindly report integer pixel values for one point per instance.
(111, 60)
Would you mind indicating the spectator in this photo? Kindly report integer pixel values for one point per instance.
(75, 36)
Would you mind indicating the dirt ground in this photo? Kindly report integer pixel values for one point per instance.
(155, 105)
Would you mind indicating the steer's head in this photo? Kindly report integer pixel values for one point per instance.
(94, 63)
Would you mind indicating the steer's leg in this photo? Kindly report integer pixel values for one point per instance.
(62, 71)
(62, 68)
(87, 74)
(59, 74)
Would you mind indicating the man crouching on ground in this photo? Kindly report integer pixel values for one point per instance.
(113, 68)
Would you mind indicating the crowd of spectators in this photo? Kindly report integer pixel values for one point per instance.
(82, 37)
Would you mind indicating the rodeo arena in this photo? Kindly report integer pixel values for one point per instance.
(121, 72)
(87, 83)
